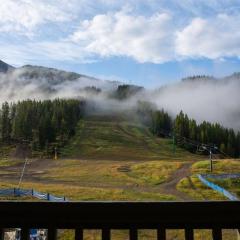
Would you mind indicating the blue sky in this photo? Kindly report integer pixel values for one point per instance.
(144, 42)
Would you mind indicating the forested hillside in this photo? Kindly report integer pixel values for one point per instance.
(50, 123)
(40, 123)
(226, 140)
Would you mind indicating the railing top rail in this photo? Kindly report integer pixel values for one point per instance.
(224, 214)
(123, 202)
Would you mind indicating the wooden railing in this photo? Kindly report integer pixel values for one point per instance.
(120, 215)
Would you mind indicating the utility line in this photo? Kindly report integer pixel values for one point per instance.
(197, 144)
(22, 173)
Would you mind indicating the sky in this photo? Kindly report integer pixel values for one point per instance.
(144, 42)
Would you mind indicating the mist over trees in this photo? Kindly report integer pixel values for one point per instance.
(49, 123)
(219, 104)
(125, 91)
(226, 140)
(40, 123)
(161, 124)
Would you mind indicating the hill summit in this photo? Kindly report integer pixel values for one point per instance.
(4, 67)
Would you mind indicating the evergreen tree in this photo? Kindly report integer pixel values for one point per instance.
(40, 123)
(213, 134)
(5, 122)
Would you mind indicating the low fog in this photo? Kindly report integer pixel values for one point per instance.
(31, 82)
(213, 100)
(202, 98)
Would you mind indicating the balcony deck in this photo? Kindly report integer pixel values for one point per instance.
(120, 215)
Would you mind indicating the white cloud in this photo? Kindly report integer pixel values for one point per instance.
(211, 38)
(45, 51)
(202, 8)
(118, 28)
(23, 16)
(146, 39)
(158, 38)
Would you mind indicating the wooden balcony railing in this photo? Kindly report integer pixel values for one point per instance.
(120, 215)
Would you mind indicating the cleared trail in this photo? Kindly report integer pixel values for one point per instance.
(36, 170)
(170, 187)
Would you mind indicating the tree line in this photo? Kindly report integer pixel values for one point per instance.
(225, 139)
(40, 123)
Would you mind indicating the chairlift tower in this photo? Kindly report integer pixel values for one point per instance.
(55, 153)
(211, 161)
(210, 156)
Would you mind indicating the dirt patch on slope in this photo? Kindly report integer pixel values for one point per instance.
(170, 187)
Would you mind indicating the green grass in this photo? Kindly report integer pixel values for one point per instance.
(154, 172)
(6, 162)
(193, 186)
(5, 152)
(232, 185)
(110, 159)
(219, 166)
(92, 193)
(119, 140)
(93, 160)
(112, 173)
(197, 190)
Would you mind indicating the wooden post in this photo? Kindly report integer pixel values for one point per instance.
(217, 234)
(79, 234)
(189, 235)
(1, 233)
(25, 234)
(106, 234)
(238, 234)
(161, 234)
(52, 234)
(133, 234)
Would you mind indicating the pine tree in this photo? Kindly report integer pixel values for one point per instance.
(5, 122)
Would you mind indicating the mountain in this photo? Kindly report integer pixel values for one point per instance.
(52, 76)
(37, 82)
(234, 77)
(204, 78)
(202, 97)
(198, 78)
(4, 67)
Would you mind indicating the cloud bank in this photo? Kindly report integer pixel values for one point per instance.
(213, 100)
(146, 31)
(145, 39)
(159, 38)
(24, 16)
(204, 98)
(211, 38)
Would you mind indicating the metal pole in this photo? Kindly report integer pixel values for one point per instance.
(211, 162)
(21, 177)
(173, 141)
(55, 155)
